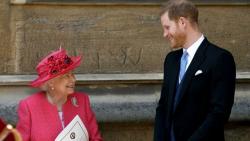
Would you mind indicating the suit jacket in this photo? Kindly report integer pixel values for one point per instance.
(205, 99)
(39, 119)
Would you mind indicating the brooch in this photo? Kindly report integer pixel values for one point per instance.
(74, 102)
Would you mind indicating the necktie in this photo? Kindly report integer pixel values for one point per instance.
(184, 59)
(183, 65)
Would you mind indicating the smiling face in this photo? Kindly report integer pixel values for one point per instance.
(173, 31)
(64, 84)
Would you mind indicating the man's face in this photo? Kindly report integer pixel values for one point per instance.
(173, 31)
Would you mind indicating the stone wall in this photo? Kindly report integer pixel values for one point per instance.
(125, 104)
(6, 49)
(112, 39)
(123, 51)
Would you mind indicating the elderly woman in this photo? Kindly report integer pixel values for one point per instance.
(43, 115)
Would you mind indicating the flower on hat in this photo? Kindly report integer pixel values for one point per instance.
(56, 63)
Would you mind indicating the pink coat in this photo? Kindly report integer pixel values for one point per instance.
(39, 120)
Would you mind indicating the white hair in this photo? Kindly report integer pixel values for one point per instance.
(44, 87)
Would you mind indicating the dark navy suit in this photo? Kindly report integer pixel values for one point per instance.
(205, 99)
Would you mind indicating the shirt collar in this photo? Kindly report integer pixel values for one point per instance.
(193, 48)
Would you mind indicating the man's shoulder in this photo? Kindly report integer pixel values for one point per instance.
(217, 50)
(174, 53)
(216, 54)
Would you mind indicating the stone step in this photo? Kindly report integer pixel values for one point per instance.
(116, 97)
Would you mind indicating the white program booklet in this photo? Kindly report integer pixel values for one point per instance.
(74, 131)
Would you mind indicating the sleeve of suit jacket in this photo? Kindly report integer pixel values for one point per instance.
(161, 109)
(221, 97)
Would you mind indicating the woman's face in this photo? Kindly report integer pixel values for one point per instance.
(64, 84)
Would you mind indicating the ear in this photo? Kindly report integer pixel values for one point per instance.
(50, 83)
(182, 22)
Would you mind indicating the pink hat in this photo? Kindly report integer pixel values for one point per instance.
(56, 63)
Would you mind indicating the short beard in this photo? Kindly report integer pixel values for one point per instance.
(179, 40)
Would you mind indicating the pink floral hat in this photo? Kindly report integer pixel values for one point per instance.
(55, 64)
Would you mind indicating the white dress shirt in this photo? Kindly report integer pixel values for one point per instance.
(192, 50)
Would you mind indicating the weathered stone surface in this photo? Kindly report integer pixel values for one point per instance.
(241, 103)
(117, 39)
(143, 131)
(135, 131)
(119, 101)
(123, 1)
(229, 28)
(237, 131)
(114, 39)
(6, 52)
(8, 113)
(125, 109)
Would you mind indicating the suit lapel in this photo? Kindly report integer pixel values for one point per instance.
(173, 78)
(194, 65)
